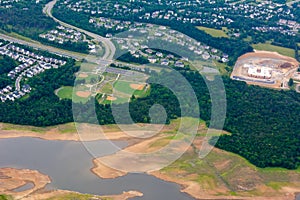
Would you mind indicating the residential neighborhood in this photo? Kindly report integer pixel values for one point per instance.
(31, 65)
(63, 35)
(139, 48)
(204, 13)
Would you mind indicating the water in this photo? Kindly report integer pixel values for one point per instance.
(27, 186)
(68, 164)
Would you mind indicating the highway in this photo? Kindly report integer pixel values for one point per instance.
(35, 44)
(108, 45)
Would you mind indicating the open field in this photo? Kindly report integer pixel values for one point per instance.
(278, 49)
(213, 32)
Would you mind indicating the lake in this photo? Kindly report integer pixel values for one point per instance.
(68, 164)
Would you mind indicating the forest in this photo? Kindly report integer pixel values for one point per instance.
(6, 64)
(41, 107)
(263, 123)
(26, 18)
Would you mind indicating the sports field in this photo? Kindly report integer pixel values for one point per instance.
(66, 92)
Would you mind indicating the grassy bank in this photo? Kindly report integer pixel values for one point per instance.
(214, 32)
(278, 49)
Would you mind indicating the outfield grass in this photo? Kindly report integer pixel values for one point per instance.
(278, 49)
(214, 32)
(107, 89)
(124, 87)
(65, 92)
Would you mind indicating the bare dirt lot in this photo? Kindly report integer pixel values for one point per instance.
(82, 75)
(267, 69)
(83, 94)
(11, 178)
(137, 86)
(111, 98)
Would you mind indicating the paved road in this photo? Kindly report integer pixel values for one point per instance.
(35, 44)
(108, 45)
(18, 80)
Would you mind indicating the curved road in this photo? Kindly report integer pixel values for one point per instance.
(108, 45)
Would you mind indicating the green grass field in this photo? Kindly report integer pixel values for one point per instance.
(65, 92)
(124, 87)
(123, 92)
(213, 32)
(270, 47)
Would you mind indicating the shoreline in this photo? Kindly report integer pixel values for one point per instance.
(53, 133)
(12, 179)
(189, 187)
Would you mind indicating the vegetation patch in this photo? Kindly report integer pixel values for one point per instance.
(65, 92)
(213, 32)
(269, 47)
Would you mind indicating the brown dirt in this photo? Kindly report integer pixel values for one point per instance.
(83, 94)
(59, 194)
(82, 75)
(91, 132)
(137, 86)
(104, 171)
(15, 178)
(111, 98)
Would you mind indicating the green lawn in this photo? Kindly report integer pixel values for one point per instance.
(278, 49)
(213, 32)
(65, 92)
(124, 87)
(107, 88)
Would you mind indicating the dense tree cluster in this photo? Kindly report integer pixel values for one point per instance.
(81, 47)
(6, 64)
(127, 57)
(26, 18)
(42, 107)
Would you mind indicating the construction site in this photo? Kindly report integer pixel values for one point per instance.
(267, 69)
